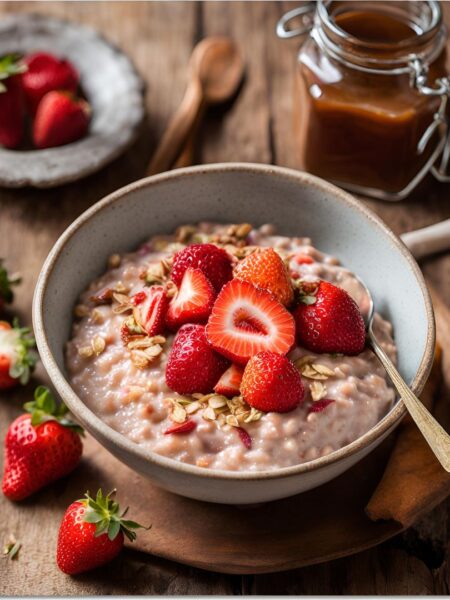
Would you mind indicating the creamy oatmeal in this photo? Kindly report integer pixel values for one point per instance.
(124, 383)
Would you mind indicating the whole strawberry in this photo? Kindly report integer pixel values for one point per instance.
(17, 355)
(60, 119)
(271, 383)
(328, 320)
(214, 262)
(6, 283)
(46, 73)
(12, 107)
(265, 269)
(40, 447)
(193, 366)
(92, 533)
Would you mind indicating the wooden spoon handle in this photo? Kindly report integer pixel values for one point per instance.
(178, 130)
(428, 240)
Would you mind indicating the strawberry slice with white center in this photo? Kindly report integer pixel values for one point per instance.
(193, 302)
(230, 382)
(150, 308)
(246, 320)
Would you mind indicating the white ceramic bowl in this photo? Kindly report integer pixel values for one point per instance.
(298, 204)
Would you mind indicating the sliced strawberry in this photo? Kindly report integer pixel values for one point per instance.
(193, 302)
(245, 437)
(150, 308)
(246, 320)
(320, 405)
(185, 427)
(230, 382)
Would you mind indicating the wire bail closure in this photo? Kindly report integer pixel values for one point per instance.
(440, 121)
(306, 12)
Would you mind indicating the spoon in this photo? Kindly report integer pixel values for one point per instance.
(436, 437)
(216, 69)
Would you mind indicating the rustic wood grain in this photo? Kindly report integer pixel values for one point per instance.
(255, 127)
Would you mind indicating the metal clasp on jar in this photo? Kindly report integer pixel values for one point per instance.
(440, 121)
(305, 14)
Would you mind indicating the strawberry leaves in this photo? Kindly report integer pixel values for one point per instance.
(10, 65)
(26, 358)
(6, 293)
(45, 408)
(104, 512)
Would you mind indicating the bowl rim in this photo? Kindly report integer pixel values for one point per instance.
(92, 421)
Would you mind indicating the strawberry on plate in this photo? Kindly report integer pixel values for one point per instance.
(330, 321)
(230, 382)
(193, 302)
(12, 107)
(271, 383)
(6, 283)
(150, 308)
(214, 262)
(92, 533)
(46, 73)
(17, 357)
(40, 446)
(193, 366)
(246, 320)
(265, 269)
(60, 119)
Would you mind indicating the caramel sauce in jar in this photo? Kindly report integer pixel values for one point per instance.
(358, 117)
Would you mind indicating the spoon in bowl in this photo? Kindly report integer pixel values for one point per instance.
(437, 438)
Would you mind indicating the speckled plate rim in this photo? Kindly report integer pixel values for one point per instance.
(90, 420)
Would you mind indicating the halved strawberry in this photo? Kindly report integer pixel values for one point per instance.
(193, 302)
(246, 320)
(150, 308)
(230, 382)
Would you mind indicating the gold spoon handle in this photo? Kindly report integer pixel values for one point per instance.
(436, 437)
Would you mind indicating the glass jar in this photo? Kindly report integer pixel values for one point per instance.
(371, 93)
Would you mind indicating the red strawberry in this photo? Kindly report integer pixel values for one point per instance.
(303, 259)
(193, 366)
(213, 261)
(17, 357)
(46, 73)
(60, 119)
(330, 322)
(92, 533)
(245, 437)
(265, 269)
(12, 108)
(150, 308)
(193, 302)
(39, 447)
(246, 320)
(6, 293)
(185, 427)
(230, 382)
(320, 405)
(271, 383)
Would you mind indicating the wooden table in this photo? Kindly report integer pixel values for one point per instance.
(256, 127)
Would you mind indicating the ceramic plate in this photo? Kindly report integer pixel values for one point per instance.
(111, 84)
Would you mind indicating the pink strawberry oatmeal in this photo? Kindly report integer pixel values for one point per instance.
(226, 347)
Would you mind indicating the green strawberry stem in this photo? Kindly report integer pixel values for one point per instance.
(10, 65)
(6, 293)
(27, 357)
(104, 513)
(45, 408)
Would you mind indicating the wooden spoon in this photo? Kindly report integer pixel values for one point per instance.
(216, 69)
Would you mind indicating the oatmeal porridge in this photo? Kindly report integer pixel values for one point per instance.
(131, 357)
